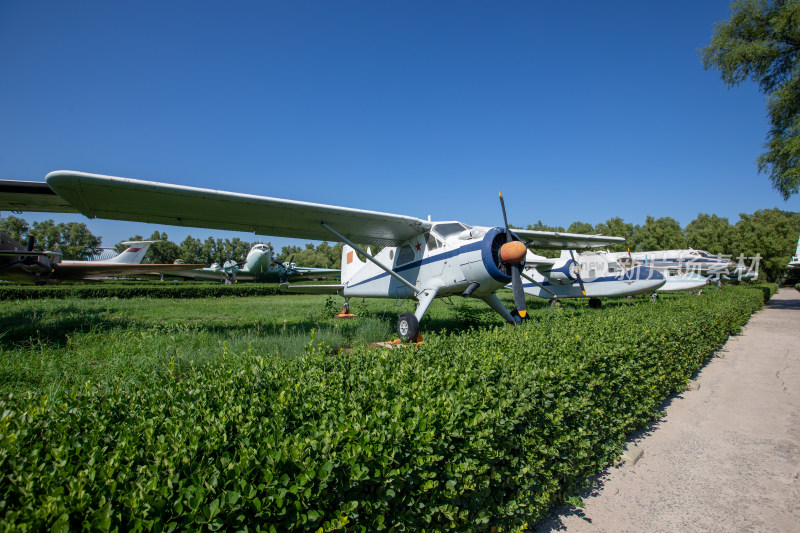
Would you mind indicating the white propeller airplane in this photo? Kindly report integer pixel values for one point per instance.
(422, 259)
(592, 275)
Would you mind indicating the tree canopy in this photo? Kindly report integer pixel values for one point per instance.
(711, 233)
(761, 42)
(73, 238)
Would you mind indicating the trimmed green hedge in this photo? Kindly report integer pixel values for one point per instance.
(469, 431)
(136, 290)
(769, 290)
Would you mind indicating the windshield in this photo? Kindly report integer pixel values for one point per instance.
(447, 229)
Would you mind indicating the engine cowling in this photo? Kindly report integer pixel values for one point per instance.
(563, 272)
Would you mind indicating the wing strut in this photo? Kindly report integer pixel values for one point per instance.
(524, 275)
(380, 265)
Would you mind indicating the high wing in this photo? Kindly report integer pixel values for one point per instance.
(567, 241)
(32, 196)
(115, 198)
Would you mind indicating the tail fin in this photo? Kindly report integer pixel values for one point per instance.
(350, 263)
(134, 254)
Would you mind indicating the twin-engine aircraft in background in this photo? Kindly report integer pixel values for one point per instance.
(24, 264)
(597, 263)
(590, 275)
(422, 259)
(258, 266)
(686, 260)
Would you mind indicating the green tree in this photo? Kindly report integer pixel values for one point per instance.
(761, 42)
(772, 234)
(15, 227)
(710, 233)
(73, 238)
(236, 248)
(581, 227)
(162, 252)
(659, 234)
(190, 250)
(616, 227)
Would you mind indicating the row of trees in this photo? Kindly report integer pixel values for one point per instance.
(771, 233)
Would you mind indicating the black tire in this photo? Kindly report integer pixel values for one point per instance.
(595, 303)
(407, 327)
(554, 303)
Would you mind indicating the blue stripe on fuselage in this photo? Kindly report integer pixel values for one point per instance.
(424, 261)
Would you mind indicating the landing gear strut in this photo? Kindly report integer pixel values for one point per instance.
(345, 312)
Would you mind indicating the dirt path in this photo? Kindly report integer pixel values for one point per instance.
(727, 456)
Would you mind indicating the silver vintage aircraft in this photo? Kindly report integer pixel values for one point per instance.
(422, 260)
(592, 275)
(258, 266)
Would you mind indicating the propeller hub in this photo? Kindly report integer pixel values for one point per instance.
(513, 252)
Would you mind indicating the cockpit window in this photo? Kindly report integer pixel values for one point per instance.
(405, 255)
(447, 229)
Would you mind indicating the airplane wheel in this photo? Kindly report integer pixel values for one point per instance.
(595, 303)
(654, 296)
(407, 327)
(228, 282)
(554, 303)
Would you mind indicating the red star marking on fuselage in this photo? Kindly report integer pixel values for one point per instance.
(419, 245)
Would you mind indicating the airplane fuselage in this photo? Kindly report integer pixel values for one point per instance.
(448, 259)
(688, 260)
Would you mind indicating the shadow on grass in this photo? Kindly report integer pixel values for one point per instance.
(24, 326)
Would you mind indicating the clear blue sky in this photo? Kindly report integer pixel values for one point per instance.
(577, 111)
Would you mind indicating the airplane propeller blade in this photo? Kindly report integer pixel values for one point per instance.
(578, 272)
(513, 253)
(286, 271)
